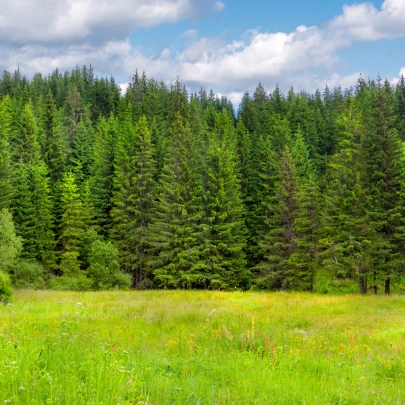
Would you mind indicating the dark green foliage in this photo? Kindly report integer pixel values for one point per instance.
(345, 241)
(222, 259)
(101, 182)
(51, 140)
(33, 213)
(24, 141)
(134, 199)
(72, 226)
(176, 234)
(302, 192)
(281, 241)
(5, 153)
(382, 152)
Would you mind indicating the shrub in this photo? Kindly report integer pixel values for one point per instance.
(70, 283)
(28, 275)
(10, 244)
(6, 290)
(104, 268)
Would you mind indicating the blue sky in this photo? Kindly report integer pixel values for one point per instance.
(221, 44)
(239, 16)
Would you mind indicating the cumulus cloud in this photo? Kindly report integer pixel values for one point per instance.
(41, 35)
(66, 21)
(364, 22)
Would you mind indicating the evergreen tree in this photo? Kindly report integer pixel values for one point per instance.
(72, 226)
(33, 213)
(101, 181)
(134, 199)
(222, 260)
(175, 234)
(281, 241)
(5, 153)
(51, 140)
(25, 137)
(345, 240)
(382, 152)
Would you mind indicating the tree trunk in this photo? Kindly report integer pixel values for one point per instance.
(387, 286)
(363, 285)
(375, 289)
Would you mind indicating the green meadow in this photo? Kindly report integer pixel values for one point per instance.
(188, 347)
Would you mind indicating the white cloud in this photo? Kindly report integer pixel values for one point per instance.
(364, 22)
(67, 33)
(64, 21)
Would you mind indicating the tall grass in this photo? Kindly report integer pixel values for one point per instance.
(201, 348)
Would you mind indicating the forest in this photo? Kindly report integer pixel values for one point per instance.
(157, 188)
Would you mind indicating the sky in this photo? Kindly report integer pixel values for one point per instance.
(227, 45)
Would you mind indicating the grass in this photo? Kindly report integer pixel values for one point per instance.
(201, 348)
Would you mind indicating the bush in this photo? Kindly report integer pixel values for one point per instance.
(10, 244)
(122, 281)
(70, 283)
(104, 268)
(324, 284)
(28, 275)
(6, 291)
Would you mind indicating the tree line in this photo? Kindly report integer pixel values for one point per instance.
(158, 188)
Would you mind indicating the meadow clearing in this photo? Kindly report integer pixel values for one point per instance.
(190, 347)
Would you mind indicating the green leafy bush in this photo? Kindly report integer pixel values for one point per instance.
(10, 244)
(70, 283)
(104, 268)
(6, 290)
(28, 275)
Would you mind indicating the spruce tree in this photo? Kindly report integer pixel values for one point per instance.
(382, 177)
(281, 241)
(72, 226)
(345, 237)
(134, 200)
(5, 153)
(51, 140)
(32, 208)
(25, 143)
(101, 181)
(222, 261)
(175, 234)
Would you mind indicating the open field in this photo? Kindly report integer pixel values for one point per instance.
(201, 348)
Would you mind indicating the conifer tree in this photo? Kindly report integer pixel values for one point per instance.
(31, 205)
(101, 181)
(382, 153)
(345, 240)
(72, 226)
(51, 140)
(32, 208)
(25, 143)
(134, 199)
(175, 234)
(222, 261)
(5, 153)
(281, 241)
(262, 188)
